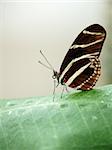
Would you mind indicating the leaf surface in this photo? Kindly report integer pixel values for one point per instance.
(78, 121)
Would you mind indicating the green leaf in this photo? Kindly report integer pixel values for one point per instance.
(78, 121)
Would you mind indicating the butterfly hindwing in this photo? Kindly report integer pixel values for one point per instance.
(81, 66)
(88, 78)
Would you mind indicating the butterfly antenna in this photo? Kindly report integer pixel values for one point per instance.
(44, 65)
(50, 66)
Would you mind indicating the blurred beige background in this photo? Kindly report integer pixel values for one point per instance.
(28, 26)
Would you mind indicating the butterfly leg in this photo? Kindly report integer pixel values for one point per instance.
(66, 89)
(54, 90)
(62, 91)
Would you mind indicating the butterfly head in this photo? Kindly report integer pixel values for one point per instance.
(55, 75)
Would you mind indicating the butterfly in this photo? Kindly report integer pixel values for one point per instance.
(81, 66)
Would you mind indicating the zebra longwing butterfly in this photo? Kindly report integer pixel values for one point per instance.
(81, 67)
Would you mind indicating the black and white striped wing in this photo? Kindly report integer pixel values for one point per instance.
(81, 66)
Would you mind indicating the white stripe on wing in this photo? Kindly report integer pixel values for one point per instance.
(92, 55)
(77, 73)
(86, 45)
(93, 33)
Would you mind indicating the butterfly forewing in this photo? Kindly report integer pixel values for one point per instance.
(81, 66)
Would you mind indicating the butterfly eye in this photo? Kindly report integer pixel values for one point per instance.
(54, 77)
